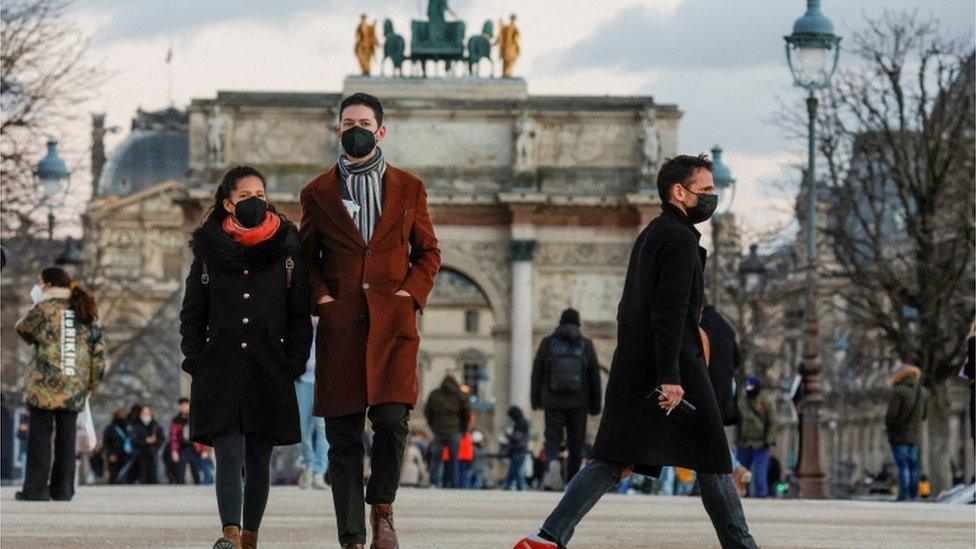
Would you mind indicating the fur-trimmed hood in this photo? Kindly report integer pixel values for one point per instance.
(212, 244)
(905, 372)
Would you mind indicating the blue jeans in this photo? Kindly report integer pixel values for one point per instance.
(906, 458)
(757, 461)
(667, 481)
(514, 476)
(188, 457)
(437, 477)
(206, 471)
(314, 446)
(599, 476)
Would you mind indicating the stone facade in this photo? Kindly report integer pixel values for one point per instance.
(535, 199)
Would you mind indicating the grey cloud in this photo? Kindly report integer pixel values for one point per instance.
(144, 19)
(727, 34)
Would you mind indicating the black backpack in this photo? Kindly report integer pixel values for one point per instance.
(566, 364)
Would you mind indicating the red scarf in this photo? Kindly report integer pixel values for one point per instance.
(250, 237)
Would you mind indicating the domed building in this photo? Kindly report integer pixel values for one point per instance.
(135, 252)
(156, 150)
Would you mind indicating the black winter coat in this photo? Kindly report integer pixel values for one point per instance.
(447, 410)
(140, 438)
(725, 362)
(246, 334)
(658, 342)
(589, 396)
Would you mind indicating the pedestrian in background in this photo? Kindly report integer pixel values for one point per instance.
(907, 409)
(68, 363)
(465, 459)
(148, 438)
(118, 448)
(414, 470)
(756, 434)
(517, 434)
(566, 384)
(315, 448)
(181, 449)
(447, 412)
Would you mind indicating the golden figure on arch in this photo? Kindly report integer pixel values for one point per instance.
(509, 45)
(366, 44)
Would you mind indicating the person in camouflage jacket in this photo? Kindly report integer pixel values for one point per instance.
(69, 357)
(68, 363)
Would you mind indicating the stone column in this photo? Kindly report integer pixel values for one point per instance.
(522, 317)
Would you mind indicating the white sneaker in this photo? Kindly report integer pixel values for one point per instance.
(318, 481)
(305, 479)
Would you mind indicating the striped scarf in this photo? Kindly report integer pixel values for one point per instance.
(364, 186)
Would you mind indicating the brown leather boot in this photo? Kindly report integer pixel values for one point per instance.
(384, 534)
(231, 538)
(249, 540)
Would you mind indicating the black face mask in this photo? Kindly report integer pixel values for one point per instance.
(250, 212)
(358, 141)
(704, 209)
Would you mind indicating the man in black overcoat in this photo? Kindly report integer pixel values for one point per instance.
(659, 362)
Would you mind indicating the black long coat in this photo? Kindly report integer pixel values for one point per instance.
(658, 342)
(246, 334)
(725, 362)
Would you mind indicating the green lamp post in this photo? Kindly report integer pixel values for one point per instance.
(725, 186)
(812, 51)
(52, 173)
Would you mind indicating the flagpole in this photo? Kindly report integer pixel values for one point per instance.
(169, 74)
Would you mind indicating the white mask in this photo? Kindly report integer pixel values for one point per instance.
(146, 420)
(36, 294)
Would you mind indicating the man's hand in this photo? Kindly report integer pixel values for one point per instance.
(671, 397)
(403, 293)
(326, 299)
(175, 456)
(151, 439)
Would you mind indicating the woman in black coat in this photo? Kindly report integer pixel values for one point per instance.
(147, 439)
(246, 336)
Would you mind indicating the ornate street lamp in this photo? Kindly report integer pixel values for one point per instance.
(812, 51)
(725, 186)
(52, 173)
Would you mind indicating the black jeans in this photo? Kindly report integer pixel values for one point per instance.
(346, 453)
(249, 455)
(41, 480)
(568, 425)
(717, 493)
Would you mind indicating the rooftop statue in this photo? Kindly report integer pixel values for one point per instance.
(439, 40)
(509, 45)
(366, 44)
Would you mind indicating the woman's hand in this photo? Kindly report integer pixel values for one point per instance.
(326, 299)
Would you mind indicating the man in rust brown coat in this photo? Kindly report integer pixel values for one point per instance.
(372, 256)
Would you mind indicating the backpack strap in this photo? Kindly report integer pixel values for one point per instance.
(289, 270)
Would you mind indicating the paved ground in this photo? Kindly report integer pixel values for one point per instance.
(133, 516)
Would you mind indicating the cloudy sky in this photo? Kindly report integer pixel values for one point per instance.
(720, 61)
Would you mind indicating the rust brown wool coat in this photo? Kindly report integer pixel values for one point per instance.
(367, 340)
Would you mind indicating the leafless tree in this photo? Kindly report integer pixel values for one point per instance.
(897, 141)
(45, 75)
